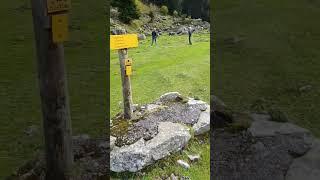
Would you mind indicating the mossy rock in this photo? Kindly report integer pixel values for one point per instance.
(120, 127)
(277, 115)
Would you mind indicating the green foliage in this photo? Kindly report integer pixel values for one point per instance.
(136, 24)
(164, 10)
(128, 10)
(152, 15)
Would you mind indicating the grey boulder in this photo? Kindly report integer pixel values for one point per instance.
(203, 124)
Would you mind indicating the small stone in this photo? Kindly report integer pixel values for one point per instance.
(135, 107)
(305, 88)
(169, 97)
(32, 130)
(194, 158)
(185, 178)
(173, 177)
(183, 164)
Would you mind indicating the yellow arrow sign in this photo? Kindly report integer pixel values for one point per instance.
(123, 41)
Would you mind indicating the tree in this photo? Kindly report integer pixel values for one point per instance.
(128, 10)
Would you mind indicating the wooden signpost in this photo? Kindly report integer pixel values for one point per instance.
(50, 29)
(122, 42)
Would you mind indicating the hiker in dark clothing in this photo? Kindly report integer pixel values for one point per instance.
(154, 36)
(190, 31)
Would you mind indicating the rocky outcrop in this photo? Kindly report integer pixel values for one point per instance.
(170, 107)
(172, 137)
(160, 129)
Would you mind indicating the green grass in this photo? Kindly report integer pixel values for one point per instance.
(19, 93)
(279, 54)
(172, 65)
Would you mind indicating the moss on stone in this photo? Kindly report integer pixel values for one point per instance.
(277, 115)
(241, 122)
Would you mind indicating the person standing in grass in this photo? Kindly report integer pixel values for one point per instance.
(154, 36)
(190, 31)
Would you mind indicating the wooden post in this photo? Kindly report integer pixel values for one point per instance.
(126, 83)
(54, 96)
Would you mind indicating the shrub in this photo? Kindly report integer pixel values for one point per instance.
(175, 13)
(151, 15)
(164, 10)
(136, 24)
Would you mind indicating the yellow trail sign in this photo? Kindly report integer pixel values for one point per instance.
(59, 28)
(123, 41)
(58, 5)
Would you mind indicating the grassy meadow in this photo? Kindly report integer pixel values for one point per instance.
(171, 65)
(85, 57)
(277, 54)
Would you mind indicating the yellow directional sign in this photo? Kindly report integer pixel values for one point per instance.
(128, 70)
(58, 5)
(59, 28)
(123, 41)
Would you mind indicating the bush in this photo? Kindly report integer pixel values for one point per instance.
(136, 24)
(151, 15)
(164, 10)
(175, 13)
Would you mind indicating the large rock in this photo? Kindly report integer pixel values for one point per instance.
(141, 37)
(261, 127)
(203, 124)
(306, 167)
(130, 158)
(172, 137)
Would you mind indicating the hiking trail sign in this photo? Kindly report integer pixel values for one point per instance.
(123, 41)
(60, 28)
(54, 6)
